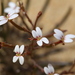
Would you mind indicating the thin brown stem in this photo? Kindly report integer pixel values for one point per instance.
(24, 12)
(19, 27)
(72, 67)
(24, 22)
(69, 71)
(49, 45)
(3, 44)
(38, 16)
(38, 66)
(28, 19)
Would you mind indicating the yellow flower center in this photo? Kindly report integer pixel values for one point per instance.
(7, 16)
(38, 38)
(18, 54)
(51, 74)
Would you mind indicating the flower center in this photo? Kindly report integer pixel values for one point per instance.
(7, 17)
(50, 74)
(38, 38)
(18, 54)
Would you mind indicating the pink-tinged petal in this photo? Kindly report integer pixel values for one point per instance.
(13, 16)
(59, 37)
(40, 43)
(45, 40)
(7, 10)
(57, 31)
(70, 36)
(39, 32)
(21, 49)
(15, 58)
(68, 40)
(12, 4)
(21, 60)
(34, 34)
(3, 22)
(17, 49)
(2, 17)
(51, 69)
(56, 74)
(46, 70)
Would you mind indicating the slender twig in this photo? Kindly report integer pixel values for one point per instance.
(38, 16)
(72, 67)
(24, 12)
(3, 44)
(28, 19)
(24, 22)
(49, 45)
(69, 71)
(38, 66)
(19, 27)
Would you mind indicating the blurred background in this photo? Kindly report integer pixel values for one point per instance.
(55, 14)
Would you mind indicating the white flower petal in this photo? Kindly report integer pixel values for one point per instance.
(34, 34)
(59, 37)
(15, 58)
(16, 49)
(46, 70)
(58, 34)
(12, 4)
(51, 69)
(45, 40)
(68, 40)
(12, 12)
(7, 10)
(39, 32)
(70, 36)
(17, 10)
(13, 16)
(40, 43)
(2, 17)
(21, 49)
(3, 22)
(21, 60)
(57, 31)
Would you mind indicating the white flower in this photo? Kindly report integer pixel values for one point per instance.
(4, 19)
(18, 55)
(37, 34)
(49, 70)
(60, 36)
(12, 8)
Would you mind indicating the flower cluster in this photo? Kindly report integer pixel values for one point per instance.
(36, 34)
